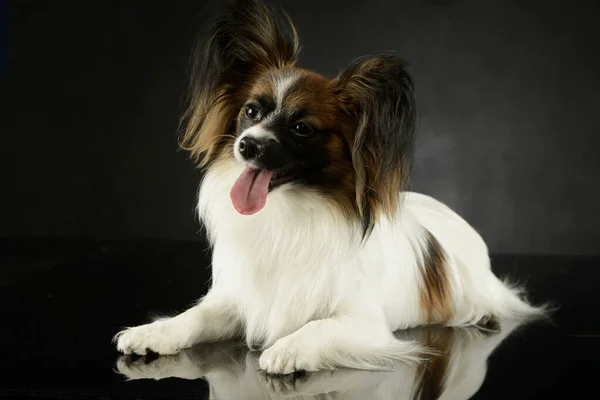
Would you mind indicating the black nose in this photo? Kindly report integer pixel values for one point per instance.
(251, 148)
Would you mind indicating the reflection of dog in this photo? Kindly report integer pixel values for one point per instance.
(456, 372)
(319, 252)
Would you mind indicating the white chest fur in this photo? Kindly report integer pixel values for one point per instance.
(281, 265)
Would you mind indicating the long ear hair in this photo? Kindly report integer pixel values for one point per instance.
(377, 93)
(247, 40)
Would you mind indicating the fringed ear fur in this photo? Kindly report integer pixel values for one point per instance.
(377, 92)
(246, 41)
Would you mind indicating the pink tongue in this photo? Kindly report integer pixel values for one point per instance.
(249, 192)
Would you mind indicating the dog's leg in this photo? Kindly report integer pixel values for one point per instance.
(348, 341)
(213, 318)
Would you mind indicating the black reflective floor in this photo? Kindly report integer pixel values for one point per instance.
(61, 303)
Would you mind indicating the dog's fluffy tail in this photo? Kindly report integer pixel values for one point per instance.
(508, 301)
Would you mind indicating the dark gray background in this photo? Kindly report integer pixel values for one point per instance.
(508, 92)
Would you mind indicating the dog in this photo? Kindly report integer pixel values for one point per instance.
(319, 251)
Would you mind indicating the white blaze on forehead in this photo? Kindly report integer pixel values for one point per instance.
(282, 82)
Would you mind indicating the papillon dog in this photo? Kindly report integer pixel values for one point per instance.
(319, 251)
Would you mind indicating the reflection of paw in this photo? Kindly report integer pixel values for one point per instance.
(283, 385)
(155, 337)
(148, 367)
(290, 355)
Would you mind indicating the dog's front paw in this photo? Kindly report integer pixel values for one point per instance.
(157, 337)
(289, 355)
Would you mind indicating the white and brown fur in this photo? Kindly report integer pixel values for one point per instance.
(341, 257)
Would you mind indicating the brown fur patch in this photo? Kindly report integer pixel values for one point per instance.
(209, 130)
(436, 302)
(263, 85)
(314, 94)
(340, 167)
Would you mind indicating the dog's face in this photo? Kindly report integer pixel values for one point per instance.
(292, 124)
(348, 138)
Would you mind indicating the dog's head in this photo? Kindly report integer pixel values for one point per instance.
(349, 138)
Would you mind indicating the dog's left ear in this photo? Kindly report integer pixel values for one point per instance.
(377, 93)
(246, 40)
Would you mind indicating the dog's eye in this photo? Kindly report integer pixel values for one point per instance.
(252, 112)
(302, 129)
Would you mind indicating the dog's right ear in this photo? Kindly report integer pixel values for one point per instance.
(246, 41)
(377, 93)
